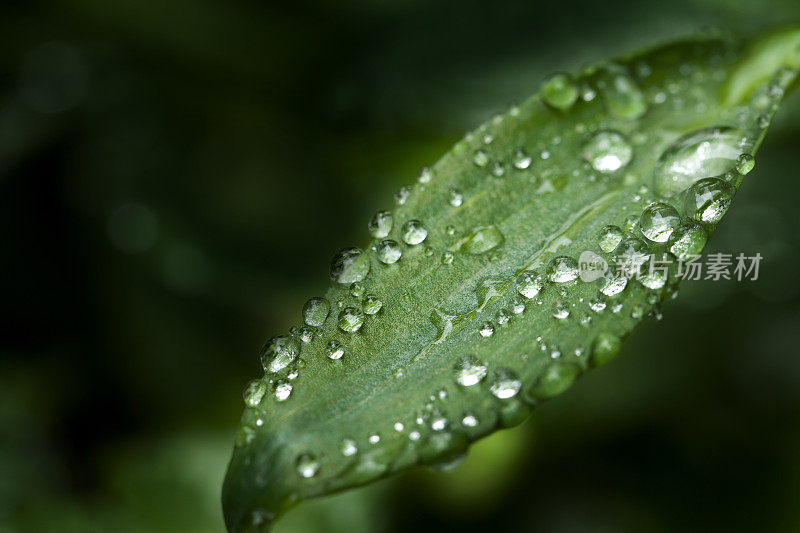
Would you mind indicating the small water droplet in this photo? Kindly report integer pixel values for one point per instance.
(283, 389)
(486, 330)
(481, 159)
(372, 305)
(401, 196)
(562, 269)
(253, 393)
(560, 310)
(708, 200)
(622, 96)
(351, 319)
(389, 252)
(608, 151)
(278, 352)
(425, 175)
(349, 265)
(349, 447)
(505, 384)
(381, 224)
(481, 240)
(612, 284)
(630, 255)
(315, 311)
(745, 164)
(335, 350)
(659, 221)
(469, 420)
(448, 258)
(559, 91)
(456, 198)
(306, 466)
(529, 284)
(356, 290)
(609, 238)
(414, 232)
(522, 160)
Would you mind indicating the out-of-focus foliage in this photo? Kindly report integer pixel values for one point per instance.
(153, 158)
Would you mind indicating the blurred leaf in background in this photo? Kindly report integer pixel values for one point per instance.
(174, 178)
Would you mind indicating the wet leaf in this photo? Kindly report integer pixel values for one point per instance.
(512, 266)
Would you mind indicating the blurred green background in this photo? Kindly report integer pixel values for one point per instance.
(174, 177)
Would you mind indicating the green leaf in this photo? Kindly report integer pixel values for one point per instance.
(467, 309)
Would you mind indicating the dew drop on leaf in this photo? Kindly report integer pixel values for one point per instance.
(414, 232)
(658, 221)
(389, 252)
(349, 265)
(708, 200)
(608, 151)
(381, 224)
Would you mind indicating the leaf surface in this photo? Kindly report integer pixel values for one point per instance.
(481, 293)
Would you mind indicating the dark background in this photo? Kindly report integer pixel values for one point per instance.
(174, 177)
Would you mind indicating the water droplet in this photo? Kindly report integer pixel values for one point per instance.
(349, 265)
(555, 379)
(529, 283)
(469, 371)
(689, 242)
(425, 175)
(622, 96)
(389, 252)
(335, 350)
(745, 164)
(708, 200)
(560, 310)
(306, 466)
(609, 238)
(505, 384)
(518, 305)
(702, 153)
(608, 151)
(349, 447)
(522, 160)
(401, 196)
(482, 240)
(559, 91)
(253, 393)
(372, 305)
(356, 290)
(351, 319)
(469, 420)
(562, 269)
(304, 333)
(630, 255)
(658, 221)
(278, 352)
(480, 159)
(448, 258)
(374, 438)
(283, 389)
(381, 224)
(456, 198)
(486, 330)
(414, 232)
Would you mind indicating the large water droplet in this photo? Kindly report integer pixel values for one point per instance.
(306, 465)
(349, 265)
(351, 319)
(414, 232)
(562, 269)
(315, 311)
(702, 153)
(708, 200)
(482, 240)
(559, 91)
(658, 221)
(278, 352)
(608, 151)
(469, 371)
(381, 224)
